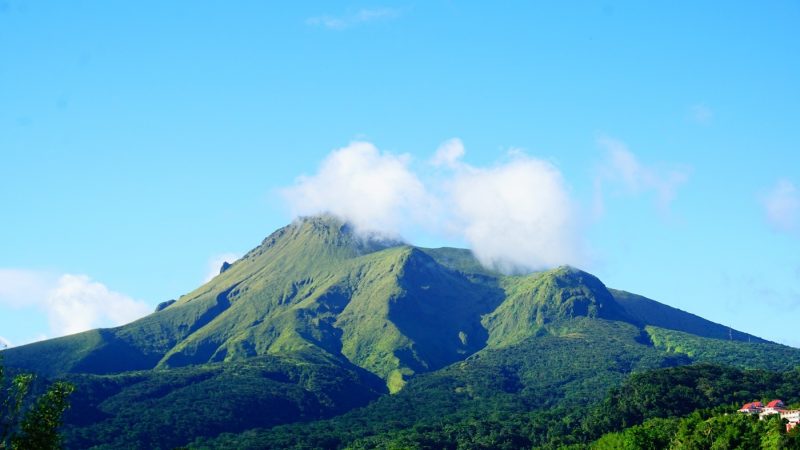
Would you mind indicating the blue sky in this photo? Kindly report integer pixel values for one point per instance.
(141, 142)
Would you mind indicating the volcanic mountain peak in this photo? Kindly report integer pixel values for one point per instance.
(326, 233)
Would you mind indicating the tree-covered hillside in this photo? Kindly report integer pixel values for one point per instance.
(163, 409)
(486, 406)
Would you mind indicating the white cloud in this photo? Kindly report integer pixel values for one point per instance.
(517, 216)
(21, 288)
(352, 19)
(374, 190)
(622, 168)
(5, 343)
(77, 304)
(72, 303)
(782, 206)
(701, 114)
(448, 154)
(215, 264)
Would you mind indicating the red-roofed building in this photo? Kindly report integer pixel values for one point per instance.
(775, 404)
(773, 407)
(752, 408)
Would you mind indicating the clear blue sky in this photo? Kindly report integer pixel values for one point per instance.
(140, 140)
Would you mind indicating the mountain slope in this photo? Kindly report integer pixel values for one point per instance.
(536, 302)
(313, 288)
(651, 312)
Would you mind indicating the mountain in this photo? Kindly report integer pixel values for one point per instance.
(319, 320)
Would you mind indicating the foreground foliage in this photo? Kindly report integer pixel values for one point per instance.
(28, 421)
(702, 430)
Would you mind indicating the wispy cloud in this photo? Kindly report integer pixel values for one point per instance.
(622, 170)
(348, 20)
(516, 215)
(72, 303)
(701, 114)
(448, 154)
(757, 287)
(782, 206)
(4, 343)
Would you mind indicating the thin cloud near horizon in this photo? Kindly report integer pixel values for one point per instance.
(349, 20)
(782, 206)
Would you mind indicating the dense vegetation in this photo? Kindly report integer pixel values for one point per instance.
(29, 420)
(657, 398)
(702, 430)
(167, 408)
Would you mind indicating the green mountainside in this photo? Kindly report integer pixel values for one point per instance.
(319, 320)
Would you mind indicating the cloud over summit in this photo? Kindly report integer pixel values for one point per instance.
(516, 216)
(376, 191)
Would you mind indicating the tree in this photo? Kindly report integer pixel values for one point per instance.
(27, 422)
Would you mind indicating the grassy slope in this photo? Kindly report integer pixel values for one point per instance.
(746, 355)
(535, 302)
(420, 318)
(650, 312)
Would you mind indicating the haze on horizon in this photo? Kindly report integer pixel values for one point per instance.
(143, 144)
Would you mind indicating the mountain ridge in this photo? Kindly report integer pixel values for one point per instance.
(317, 287)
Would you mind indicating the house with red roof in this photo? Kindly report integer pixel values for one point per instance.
(775, 404)
(773, 407)
(752, 408)
(792, 416)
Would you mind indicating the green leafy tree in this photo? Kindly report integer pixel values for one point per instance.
(28, 423)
